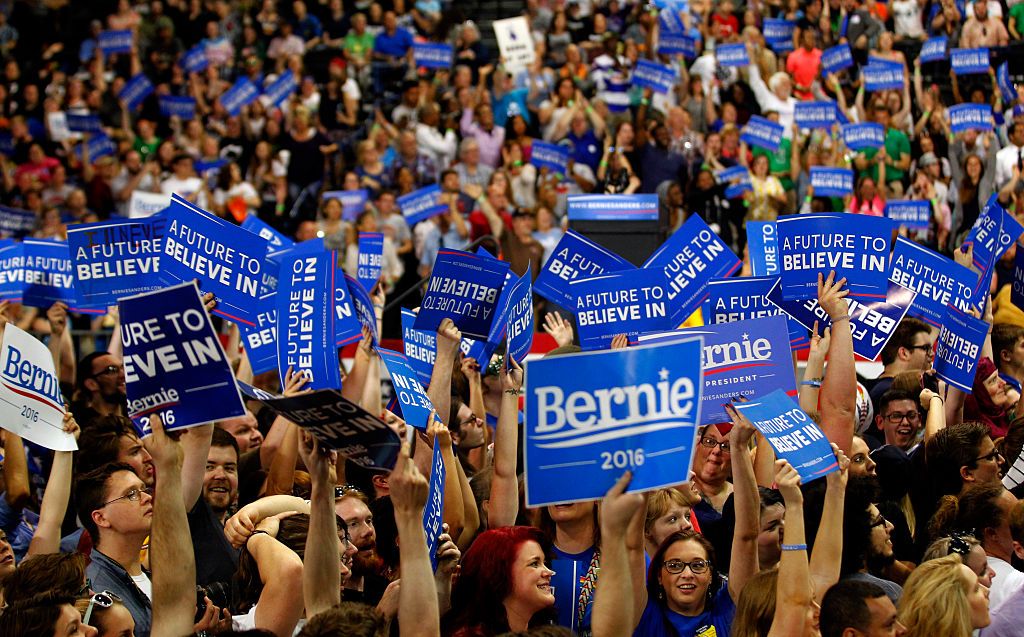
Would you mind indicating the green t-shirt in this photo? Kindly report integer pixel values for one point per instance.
(1017, 16)
(359, 45)
(896, 144)
(779, 162)
(146, 150)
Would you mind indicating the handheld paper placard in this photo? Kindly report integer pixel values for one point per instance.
(15, 222)
(416, 405)
(792, 433)
(282, 88)
(113, 259)
(305, 320)
(937, 280)
(958, 348)
(835, 59)
(519, 319)
(12, 270)
(659, 78)
(963, 117)
(831, 182)
(746, 298)
(934, 49)
(135, 91)
(420, 347)
(48, 276)
(968, 61)
(432, 55)
(463, 287)
(863, 136)
(732, 54)
(515, 43)
(260, 339)
(241, 94)
(881, 77)
(763, 248)
(422, 204)
(574, 257)
(554, 157)
(815, 114)
(370, 260)
(913, 214)
(763, 133)
(31, 403)
(353, 202)
(631, 302)
(260, 228)
(434, 510)
(115, 41)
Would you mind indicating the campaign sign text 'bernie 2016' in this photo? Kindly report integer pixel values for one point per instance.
(31, 404)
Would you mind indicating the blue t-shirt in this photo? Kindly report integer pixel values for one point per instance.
(395, 45)
(716, 620)
(570, 572)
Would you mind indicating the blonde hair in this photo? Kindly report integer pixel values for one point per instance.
(934, 600)
(755, 609)
(660, 501)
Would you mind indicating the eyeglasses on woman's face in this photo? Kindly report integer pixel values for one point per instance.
(676, 567)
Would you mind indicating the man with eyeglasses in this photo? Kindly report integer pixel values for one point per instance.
(100, 388)
(867, 539)
(910, 349)
(116, 508)
(897, 421)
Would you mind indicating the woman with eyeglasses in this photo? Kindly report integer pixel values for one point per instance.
(943, 597)
(992, 400)
(105, 613)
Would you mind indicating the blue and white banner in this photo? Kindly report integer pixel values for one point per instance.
(194, 60)
(12, 270)
(420, 347)
(836, 59)
(579, 441)
(736, 180)
(97, 146)
(363, 306)
(1006, 85)
(341, 424)
(87, 123)
(519, 318)
(434, 510)
(677, 44)
(854, 246)
(775, 29)
(114, 259)
(763, 133)
(371, 258)
(763, 248)
(815, 114)
(864, 135)
(882, 77)
(463, 287)
(135, 90)
(963, 117)
(660, 78)
(612, 207)
(119, 41)
(781, 46)
(968, 61)
(282, 88)
(260, 339)
(353, 202)
(670, 21)
(554, 157)
(225, 259)
(241, 94)
(416, 405)
(792, 434)
(746, 298)
(183, 108)
(174, 364)
(575, 256)
(934, 49)
(275, 240)
(914, 214)
(743, 358)
(15, 222)
(305, 319)
(349, 317)
(732, 54)
(31, 403)
(958, 348)
(1017, 289)
(49, 277)
(432, 55)
(633, 302)
(268, 282)
(991, 236)
(691, 257)
(831, 182)
(938, 281)
(872, 321)
(422, 204)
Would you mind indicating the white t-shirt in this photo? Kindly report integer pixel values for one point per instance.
(906, 15)
(142, 581)
(1005, 582)
(248, 621)
(185, 188)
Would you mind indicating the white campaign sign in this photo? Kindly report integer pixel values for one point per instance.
(515, 42)
(31, 404)
(144, 204)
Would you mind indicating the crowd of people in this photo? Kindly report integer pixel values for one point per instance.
(249, 527)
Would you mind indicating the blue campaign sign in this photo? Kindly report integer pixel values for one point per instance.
(15, 222)
(864, 135)
(744, 358)
(113, 259)
(579, 440)
(792, 434)
(420, 347)
(836, 59)
(670, 21)
(135, 90)
(305, 320)
(815, 114)
(633, 302)
(183, 108)
(211, 167)
(872, 321)
(226, 260)
(353, 202)
(854, 246)
(934, 49)
(775, 29)
(914, 214)
(115, 41)
(363, 305)
(84, 123)
(282, 88)
(370, 260)
(613, 207)
(432, 55)
(554, 157)
(275, 240)
(194, 60)
(746, 298)
(732, 54)
(763, 248)
(350, 316)
(991, 236)
(260, 340)
(422, 204)
(968, 61)
(12, 270)
(463, 287)
(575, 256)
(1006, 85)
(958, 348)
(677, 44)
(781, 46)
(963, 117)
(98, 145)
(660, 78)
(434, 510)
(268, 282)
(1016, 292)
(48, 276)
(691, 257)
(240, 95)
(831, 182)
(881, 77)
(938, 281)
(416, 405)
(174, 364)
(519, 317)
(763, 133)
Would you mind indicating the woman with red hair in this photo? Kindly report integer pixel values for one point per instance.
(504, 585)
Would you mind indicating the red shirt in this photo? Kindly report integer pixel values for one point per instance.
(803, 65)
(728, 24)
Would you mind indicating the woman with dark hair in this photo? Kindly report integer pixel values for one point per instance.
(867, 199)
(43, 615)
(504, 585)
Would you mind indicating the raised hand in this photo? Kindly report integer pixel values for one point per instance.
(559, 328)
(620, 341)
(618, 507)
(831, 296)
(294, 383)
(57, 315)
(448, 337)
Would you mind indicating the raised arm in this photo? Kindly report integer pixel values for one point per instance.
(440, 390)
(610, 616)
(46, 539)
(828, 543)
(839, 388)
(504, 504)
(321, 574)
(814, 371)
(743, 564)
(195, 442)
(454, 512)
(793, 594)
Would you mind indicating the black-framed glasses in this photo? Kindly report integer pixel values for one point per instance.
(342, 490)
(710, 443)
(105, 599)
(897, 417)
(108, 370)
(879, 520)
(926, 348)
(471, 420)
(992, 455)
(676, 567)
(132, 496)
